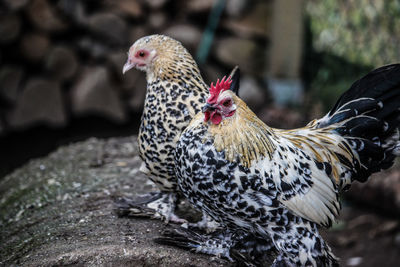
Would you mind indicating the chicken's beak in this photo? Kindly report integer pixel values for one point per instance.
(128, 65)
(208, 107)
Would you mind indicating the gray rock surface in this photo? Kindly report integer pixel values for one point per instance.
(58, 211)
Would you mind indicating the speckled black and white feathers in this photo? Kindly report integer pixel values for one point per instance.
(250, 199)
(175, 93)
(283, 189)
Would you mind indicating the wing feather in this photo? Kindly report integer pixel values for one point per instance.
(315, 174)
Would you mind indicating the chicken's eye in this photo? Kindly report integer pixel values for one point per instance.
(227, 103)
(141, 54)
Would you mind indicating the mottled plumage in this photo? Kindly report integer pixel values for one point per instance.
(281, 184)
(175, 93)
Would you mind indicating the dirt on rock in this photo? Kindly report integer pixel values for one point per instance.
(59, 211)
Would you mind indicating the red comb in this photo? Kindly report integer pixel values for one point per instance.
(219, 87)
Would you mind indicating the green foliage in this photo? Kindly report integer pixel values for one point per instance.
(332, 76)
(365, 32)
(347, 39)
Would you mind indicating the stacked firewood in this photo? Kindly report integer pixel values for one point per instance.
(62, 59)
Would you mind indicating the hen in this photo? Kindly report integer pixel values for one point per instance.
(175, 93)
(281, 184)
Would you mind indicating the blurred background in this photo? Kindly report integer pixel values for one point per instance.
(61, 78)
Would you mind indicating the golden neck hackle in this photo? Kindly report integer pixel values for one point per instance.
(243, 136)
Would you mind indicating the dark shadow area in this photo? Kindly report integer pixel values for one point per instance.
(18, 147)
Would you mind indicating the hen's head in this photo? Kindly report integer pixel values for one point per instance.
(222, 102)
(150, 53)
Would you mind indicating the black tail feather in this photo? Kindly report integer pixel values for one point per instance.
(368, 116)
(362, 126)
(373, 85)
(235, 77)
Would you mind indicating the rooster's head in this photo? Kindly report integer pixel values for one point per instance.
(222, 102)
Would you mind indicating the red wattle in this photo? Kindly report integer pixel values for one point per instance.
(206, 116)
(216, 118)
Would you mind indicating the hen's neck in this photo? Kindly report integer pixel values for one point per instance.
(176, 68)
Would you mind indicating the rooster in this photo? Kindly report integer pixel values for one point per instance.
(281, 184)
(175, 93)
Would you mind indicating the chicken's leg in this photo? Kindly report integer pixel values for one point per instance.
(243, 248)
(216, 244)
(156, 205)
